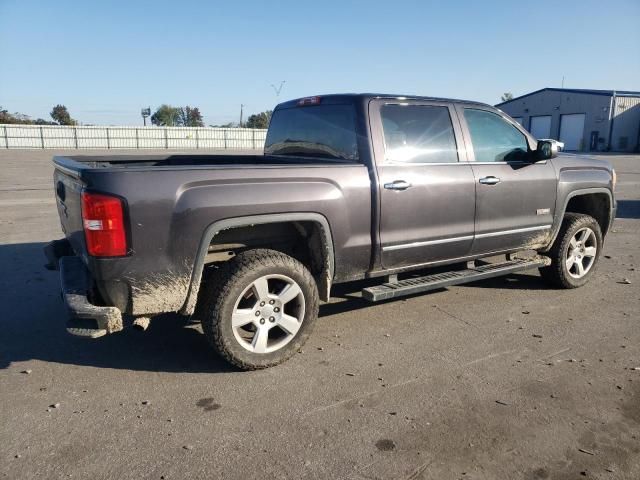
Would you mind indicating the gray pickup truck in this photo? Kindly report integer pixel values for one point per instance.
(349, 187)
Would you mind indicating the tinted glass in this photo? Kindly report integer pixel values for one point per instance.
(418, 134)
(494, 139)
(323, 131)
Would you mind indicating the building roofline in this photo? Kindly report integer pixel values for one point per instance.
(586, 91)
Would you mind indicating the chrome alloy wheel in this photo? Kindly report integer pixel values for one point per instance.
(268, 314)
(581, 253)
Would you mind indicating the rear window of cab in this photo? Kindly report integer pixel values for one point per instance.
(317, 131)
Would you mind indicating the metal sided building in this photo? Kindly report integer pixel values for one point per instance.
(585, 120)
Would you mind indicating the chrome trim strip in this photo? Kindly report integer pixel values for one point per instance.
(539, 162)
(428, 242)
(517, 230)
(467, 237)
(396, 163)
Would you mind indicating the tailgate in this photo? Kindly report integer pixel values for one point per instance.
(68, 189)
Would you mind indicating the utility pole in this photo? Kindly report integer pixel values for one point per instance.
(241, 107)
(278, 89)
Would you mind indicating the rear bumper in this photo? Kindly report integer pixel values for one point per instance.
(84, 318)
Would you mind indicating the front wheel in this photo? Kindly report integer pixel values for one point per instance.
(575, 252)
(261, 308)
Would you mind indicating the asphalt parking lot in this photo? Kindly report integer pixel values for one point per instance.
(504, 379)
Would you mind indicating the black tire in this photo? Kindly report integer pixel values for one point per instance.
(226, 286)
(557, 274)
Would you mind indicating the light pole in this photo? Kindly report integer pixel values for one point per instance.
(241, 107)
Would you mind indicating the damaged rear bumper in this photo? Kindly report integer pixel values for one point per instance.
(84, 318)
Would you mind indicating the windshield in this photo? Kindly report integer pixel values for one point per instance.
(322, 131)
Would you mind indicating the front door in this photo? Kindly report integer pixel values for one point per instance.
(515, 195)
(426, 186)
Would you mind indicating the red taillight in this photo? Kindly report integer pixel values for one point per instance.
(103, 223)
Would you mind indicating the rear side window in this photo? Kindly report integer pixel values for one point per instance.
(493, 138)
(418, 134)
(322, 131)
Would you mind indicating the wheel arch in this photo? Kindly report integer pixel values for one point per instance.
(596, 202)
(324, 277)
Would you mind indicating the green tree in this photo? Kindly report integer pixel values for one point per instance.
(506, 96)
(19, 118)
(61, 116)
(190, 117)
(42, 121)
(166, 116)
(6, 117)
(259, 120)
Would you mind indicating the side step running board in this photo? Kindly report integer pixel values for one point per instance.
(446, 279)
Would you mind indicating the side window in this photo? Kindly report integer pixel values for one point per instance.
(494, 139)
(418, 134)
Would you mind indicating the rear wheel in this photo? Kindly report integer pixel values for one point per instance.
(575, 252)
(260, 309)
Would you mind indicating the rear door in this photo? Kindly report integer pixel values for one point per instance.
(426, 186)
(515, 196)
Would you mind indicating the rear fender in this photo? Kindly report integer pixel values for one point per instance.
(324, 282)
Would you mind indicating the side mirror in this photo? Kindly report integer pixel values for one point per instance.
(546, 149)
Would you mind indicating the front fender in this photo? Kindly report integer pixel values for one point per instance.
(563, 202)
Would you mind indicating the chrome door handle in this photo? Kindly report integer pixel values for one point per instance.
(489, 180)
(397, 185)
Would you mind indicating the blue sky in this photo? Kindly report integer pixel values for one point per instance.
(107, 59)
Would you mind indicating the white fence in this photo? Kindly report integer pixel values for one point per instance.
(63, 137)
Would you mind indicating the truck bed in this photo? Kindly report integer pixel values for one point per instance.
(172, 200)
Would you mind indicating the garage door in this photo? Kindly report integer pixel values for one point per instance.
(572, 130)
(541, 126)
